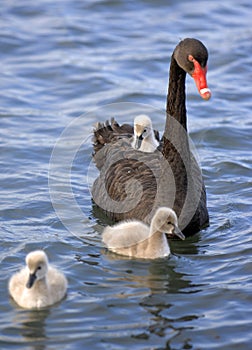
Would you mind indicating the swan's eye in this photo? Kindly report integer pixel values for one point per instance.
(39, 268)
(144, 131)
(169, 223)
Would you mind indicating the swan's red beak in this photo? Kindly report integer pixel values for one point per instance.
(199, 76)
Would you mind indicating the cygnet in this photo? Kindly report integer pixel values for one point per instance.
(144, 138)
(136, 239)
(38, 284)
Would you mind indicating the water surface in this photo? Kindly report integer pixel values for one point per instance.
(65, 62)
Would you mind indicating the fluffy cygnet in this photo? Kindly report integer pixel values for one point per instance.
(136, 239)
(38, 284)
(144, 138)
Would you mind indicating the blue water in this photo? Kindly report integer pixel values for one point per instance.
(64, 66)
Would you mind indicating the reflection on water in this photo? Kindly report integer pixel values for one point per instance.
(27, 327)
(33, 325)
(153, 285)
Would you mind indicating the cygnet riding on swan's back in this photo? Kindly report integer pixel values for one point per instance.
(38, 284)
(171, 178)
(144, 138)
(136, 239)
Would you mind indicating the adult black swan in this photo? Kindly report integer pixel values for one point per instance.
(133, 184)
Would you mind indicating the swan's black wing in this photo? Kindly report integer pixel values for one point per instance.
(108, 132)
(131, 183)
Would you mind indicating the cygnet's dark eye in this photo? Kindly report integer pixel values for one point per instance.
(169, 223)
(145, 130)
(39, 268)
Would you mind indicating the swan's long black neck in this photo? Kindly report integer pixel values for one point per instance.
(175, 134)
(176, 97)
(175, 140)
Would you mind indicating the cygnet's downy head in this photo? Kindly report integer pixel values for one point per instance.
(37, 264)
(165, 220)
(144, 138)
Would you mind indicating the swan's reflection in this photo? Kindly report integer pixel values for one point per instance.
(161, 287)
(31, 326)
(159, 275)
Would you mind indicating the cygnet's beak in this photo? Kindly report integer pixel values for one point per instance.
(178, 233)
(31, 280)
(139, 140)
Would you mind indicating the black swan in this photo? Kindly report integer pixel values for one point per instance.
(133, 184)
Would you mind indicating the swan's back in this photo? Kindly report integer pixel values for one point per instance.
(131, 184)
(107, 134)
(154, 181)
